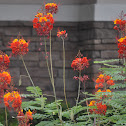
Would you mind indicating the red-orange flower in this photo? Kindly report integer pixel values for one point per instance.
(5, 80)
(92, 103)
(96, 86)
(101, 85)
(4, 61)
(103, 81)
(80, 63)
(51, 8)
(29, 114)
(43, 23)
(120, 23)
(103, 96)
(5, 77)
(107, 77)
(62, 34)
(19, 46)
(122, 47)
(101, 108)
(23, 119)
(110, 82)
(14, 98)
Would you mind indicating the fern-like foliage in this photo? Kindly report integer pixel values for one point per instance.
(34, 90)
(107, 61)
(51, 114)
(43, 110)
(49, 123)
(116, 113)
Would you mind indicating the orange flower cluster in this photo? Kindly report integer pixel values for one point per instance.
(102, 80)
(122, 47)
(4, 61)
(15, 99)
(62, 34)
(80, 63)
(119, 24)
(108, 90)
(103, 96)
(92, 103)
(5, 80)
(19, 46)
(43, 23)
(101, 108)
(23, 119)
(51, 8)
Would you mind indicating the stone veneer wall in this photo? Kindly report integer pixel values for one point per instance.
(96, 40)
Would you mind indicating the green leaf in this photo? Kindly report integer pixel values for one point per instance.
(73, 111)
(117, 86)
(111, 65)
(88, 94)
(91, 98)
(27, 95)
(107, 61)
(32, 108)
(49, 123)
(34, 90)
(40, 116)
(30, 103)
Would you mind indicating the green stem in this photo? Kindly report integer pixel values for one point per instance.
(94, 121)
(86, 100)
(47, 61)
(52, 78)
(98, 124)
(6, 116)
(64, 74)
(125, 67)
(78, 88)
(125, 64)
(29, 75)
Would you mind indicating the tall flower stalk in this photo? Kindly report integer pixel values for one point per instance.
(6, 116)
(43, 23)
(47, 62)
(29, 75)
(78, 88)
(20, 47)
(52, 77)
(63, 35)
(84, 79)
(79, 64)
(64, 73)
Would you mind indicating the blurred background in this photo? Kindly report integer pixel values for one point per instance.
(89, 24)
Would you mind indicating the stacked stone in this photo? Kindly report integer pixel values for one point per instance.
(96, 40)
(35, 59)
